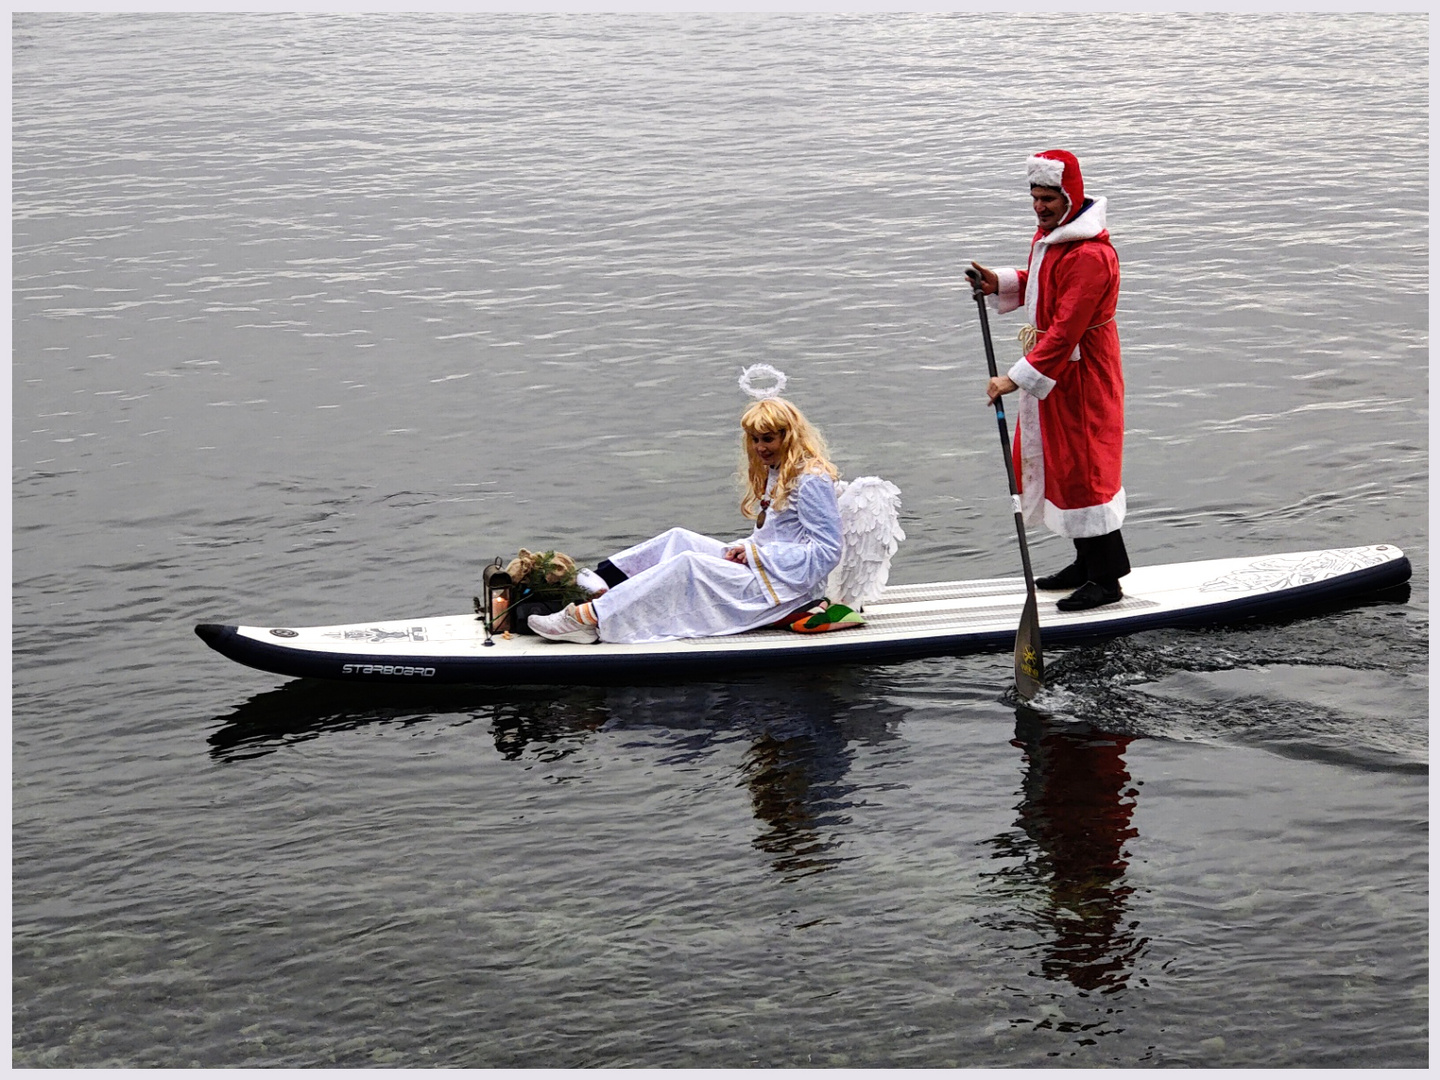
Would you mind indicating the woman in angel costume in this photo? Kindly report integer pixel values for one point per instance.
(682, 584)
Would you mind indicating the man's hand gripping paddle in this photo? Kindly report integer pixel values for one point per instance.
(1029, 662)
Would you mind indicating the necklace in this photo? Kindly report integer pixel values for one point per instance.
(765, 502)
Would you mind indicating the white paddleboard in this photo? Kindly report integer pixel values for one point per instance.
(907, 622)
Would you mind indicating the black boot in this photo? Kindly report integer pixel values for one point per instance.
(1072, 577)
(1090, 595)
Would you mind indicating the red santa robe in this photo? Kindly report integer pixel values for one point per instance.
(1070, 424)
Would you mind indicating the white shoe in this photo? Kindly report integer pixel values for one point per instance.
(564, 626)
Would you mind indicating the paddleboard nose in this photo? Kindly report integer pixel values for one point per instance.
(214, 633)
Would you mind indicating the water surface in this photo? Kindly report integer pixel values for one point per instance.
(314, 315)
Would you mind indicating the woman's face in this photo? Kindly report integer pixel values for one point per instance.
(766, 445)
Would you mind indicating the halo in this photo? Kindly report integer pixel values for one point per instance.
(763, 371)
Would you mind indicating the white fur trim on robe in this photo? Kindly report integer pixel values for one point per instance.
(1007, 298)
(680, 585)
(1024, 375)
(1086, 520)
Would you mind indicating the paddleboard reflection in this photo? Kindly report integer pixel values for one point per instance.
(803, 732)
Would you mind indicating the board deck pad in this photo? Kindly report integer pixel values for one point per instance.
(907, 622)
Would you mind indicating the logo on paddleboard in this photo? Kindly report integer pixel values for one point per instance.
(284, 633)
(375, 634)
(1292, 570)
(388, 669)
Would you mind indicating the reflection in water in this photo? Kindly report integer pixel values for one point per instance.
(802, 730)
(1074, 823)
(306, 709)
(797, 789)
(549, 728)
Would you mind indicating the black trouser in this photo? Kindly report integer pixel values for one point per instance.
(1103, 558)
(612, 574)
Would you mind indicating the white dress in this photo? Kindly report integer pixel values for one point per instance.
(680, 585)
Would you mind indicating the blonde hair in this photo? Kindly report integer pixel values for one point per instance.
(802, 450)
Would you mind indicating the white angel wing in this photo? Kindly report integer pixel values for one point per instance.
(870, 526)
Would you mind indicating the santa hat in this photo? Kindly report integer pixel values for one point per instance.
(1058, 169)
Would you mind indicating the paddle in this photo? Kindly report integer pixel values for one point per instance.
(1029, 662)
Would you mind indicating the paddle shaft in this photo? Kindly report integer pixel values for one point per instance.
(1004, 428)
(1029, 663)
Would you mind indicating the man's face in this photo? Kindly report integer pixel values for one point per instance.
(1050, 206)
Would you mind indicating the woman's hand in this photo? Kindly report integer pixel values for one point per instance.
(736, 554)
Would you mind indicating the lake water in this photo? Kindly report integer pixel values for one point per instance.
(315, 315)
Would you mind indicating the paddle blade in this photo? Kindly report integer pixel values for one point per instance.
(1029, 661)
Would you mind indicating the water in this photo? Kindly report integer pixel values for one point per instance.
(314, 315)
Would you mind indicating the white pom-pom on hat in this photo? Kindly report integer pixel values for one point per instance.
(1046, 172)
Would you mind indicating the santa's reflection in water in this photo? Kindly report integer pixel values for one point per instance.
(1069, 855)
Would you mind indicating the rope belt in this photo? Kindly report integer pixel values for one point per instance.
(1029, 336)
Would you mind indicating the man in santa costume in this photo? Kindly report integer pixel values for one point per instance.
(1070, 426)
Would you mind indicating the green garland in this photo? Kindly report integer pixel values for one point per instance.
(545, 575)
